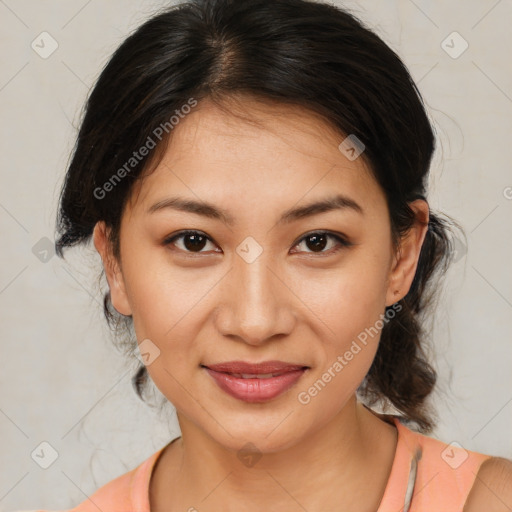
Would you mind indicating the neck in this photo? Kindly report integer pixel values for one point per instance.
(355, 447)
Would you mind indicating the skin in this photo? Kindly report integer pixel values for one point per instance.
(492, 489)
(291, 304)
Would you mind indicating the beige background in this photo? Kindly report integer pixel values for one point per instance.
(62, 382)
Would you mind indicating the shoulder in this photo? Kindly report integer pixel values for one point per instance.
(129, 491)
(492, 489)
(447, 474)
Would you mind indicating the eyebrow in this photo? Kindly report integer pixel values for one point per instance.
(206, 209)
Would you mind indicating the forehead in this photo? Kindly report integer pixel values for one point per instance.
(258, 151)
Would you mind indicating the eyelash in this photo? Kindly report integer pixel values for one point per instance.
(343, 243)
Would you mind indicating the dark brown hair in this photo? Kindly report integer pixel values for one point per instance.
(298, 52)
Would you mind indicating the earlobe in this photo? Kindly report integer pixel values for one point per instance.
(406, 260)
(112, 269)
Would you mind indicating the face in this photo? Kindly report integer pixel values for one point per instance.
(258, 276)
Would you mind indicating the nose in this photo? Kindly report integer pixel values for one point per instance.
(257, 304)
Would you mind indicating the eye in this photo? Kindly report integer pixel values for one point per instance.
(191, 241)
(318, 241)
(195, 241)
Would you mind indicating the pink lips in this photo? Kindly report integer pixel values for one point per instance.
(253, 389)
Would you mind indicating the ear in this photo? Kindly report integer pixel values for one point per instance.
(406, 258)
(112, 269)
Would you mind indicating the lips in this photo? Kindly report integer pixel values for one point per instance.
(255, 382)
(260, 370)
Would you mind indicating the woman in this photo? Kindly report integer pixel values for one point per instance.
(252, 174)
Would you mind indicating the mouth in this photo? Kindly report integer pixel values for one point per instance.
(255, 382)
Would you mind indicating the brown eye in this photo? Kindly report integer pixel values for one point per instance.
(190, 241)
(194, 242)
(318, 241)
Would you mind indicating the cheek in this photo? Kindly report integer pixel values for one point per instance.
(170, 306)
(348, 299)
(168, 310)
(350, 317)
(346, 307)
(162, 295)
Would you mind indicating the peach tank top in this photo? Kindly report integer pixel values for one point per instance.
(427, 475)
